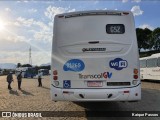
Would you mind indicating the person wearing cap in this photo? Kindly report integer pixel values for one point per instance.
(9, 80)
(19, 80)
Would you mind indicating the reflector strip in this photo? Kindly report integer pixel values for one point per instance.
(65, 92)
(126, 91)
(68, 92)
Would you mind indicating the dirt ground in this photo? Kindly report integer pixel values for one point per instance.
(34, 98)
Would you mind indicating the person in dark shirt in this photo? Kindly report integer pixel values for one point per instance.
(39, 80)
(19, 80)
(9, 80)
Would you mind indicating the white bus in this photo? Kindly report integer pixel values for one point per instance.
(43, 72)
(27, 72)
(150, 67)
(95, 57)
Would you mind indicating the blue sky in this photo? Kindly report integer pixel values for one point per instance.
(30, 23)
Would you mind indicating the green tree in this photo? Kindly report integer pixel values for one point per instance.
(144, 38)
(156, 38)
(26, 65)
(19, 65)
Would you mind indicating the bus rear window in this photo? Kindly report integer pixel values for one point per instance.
(115, 28)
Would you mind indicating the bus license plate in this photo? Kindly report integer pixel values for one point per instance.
(94, 84)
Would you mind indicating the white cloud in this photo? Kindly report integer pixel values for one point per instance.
(51, 11)
(136, 10)
(43, 36)
(137, 1)
(42, 25)
(22, 57)
(7, 9)
(25, 22)
(25, 1)
(146, 26)
(16, 24)
(31, 23)
(72, 10)
(32, 10)
(96, 2)
(44, 33)
(16, 38)
(124, 1)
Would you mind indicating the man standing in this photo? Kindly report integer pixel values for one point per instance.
(9, 80)
(19, 80)
(40, 80)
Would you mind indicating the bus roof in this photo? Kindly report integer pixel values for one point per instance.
(152, 56)
(93, 12)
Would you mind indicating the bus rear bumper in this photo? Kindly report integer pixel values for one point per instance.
(123, 94)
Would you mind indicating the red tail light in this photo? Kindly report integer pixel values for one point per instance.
(135, 71)
(55, 72)
(135, 76)
(55, 77)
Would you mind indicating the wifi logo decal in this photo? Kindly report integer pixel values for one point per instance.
(118, 64)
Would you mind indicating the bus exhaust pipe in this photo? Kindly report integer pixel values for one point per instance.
(110, 95)
(82, 96)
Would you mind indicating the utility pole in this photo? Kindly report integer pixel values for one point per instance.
(30, 57)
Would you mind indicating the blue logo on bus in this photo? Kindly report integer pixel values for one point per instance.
(75, 65)
(118, 64)
(66, 84)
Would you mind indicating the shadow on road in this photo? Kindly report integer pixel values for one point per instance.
(14, 92)
(45, 87)
(150, 102)
(26, 93)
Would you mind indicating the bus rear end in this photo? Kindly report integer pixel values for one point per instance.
(95, 57)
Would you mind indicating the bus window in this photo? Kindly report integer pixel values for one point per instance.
(142, 63)
(158, 62)
(152, 62)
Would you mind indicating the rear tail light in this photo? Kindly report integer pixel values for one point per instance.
(55, 75)
(135, 71)
(135, 76)
(55, 72)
